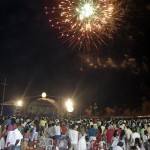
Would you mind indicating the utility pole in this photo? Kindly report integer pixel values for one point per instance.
(2, 104)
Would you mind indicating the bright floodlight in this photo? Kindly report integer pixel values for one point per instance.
(70, 108)
(19, 103)
(43, 95)
(69, 103)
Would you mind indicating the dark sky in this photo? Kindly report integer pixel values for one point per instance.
(34, 59)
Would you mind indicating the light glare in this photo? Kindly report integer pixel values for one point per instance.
(43, 95)
(70, 109)
(69, 103)
(19, 103)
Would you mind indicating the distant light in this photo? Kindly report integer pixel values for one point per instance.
(43, 95)
(19, 103)
(69, 103)
(70, 108)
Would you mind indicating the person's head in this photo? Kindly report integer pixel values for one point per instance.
(127, 126)
(49, 125)
(73, 126)
(134, 130)
(115, 133)
(15, 126)
(26, 130)
(137, 142)
(122, 134)
(100, 129)
(13, 120)
(142, 125)
(120, 143)
(145, 132)
(133, 148)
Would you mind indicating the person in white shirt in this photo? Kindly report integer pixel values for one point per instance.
(115, 139)
(52, 131)
(82, 141)
(14, 138)
(118, 146)
(2, 141)
(73, 136)
(8, 140)
(57, 131)
(134, 135)
(98, 123)
(145, 136)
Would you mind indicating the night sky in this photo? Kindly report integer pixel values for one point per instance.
(33, 59)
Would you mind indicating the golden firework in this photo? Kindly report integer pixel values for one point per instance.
(86, 23)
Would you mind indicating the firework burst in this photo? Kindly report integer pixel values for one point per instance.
(86, 23)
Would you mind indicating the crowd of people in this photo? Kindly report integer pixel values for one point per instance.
(76, 133)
